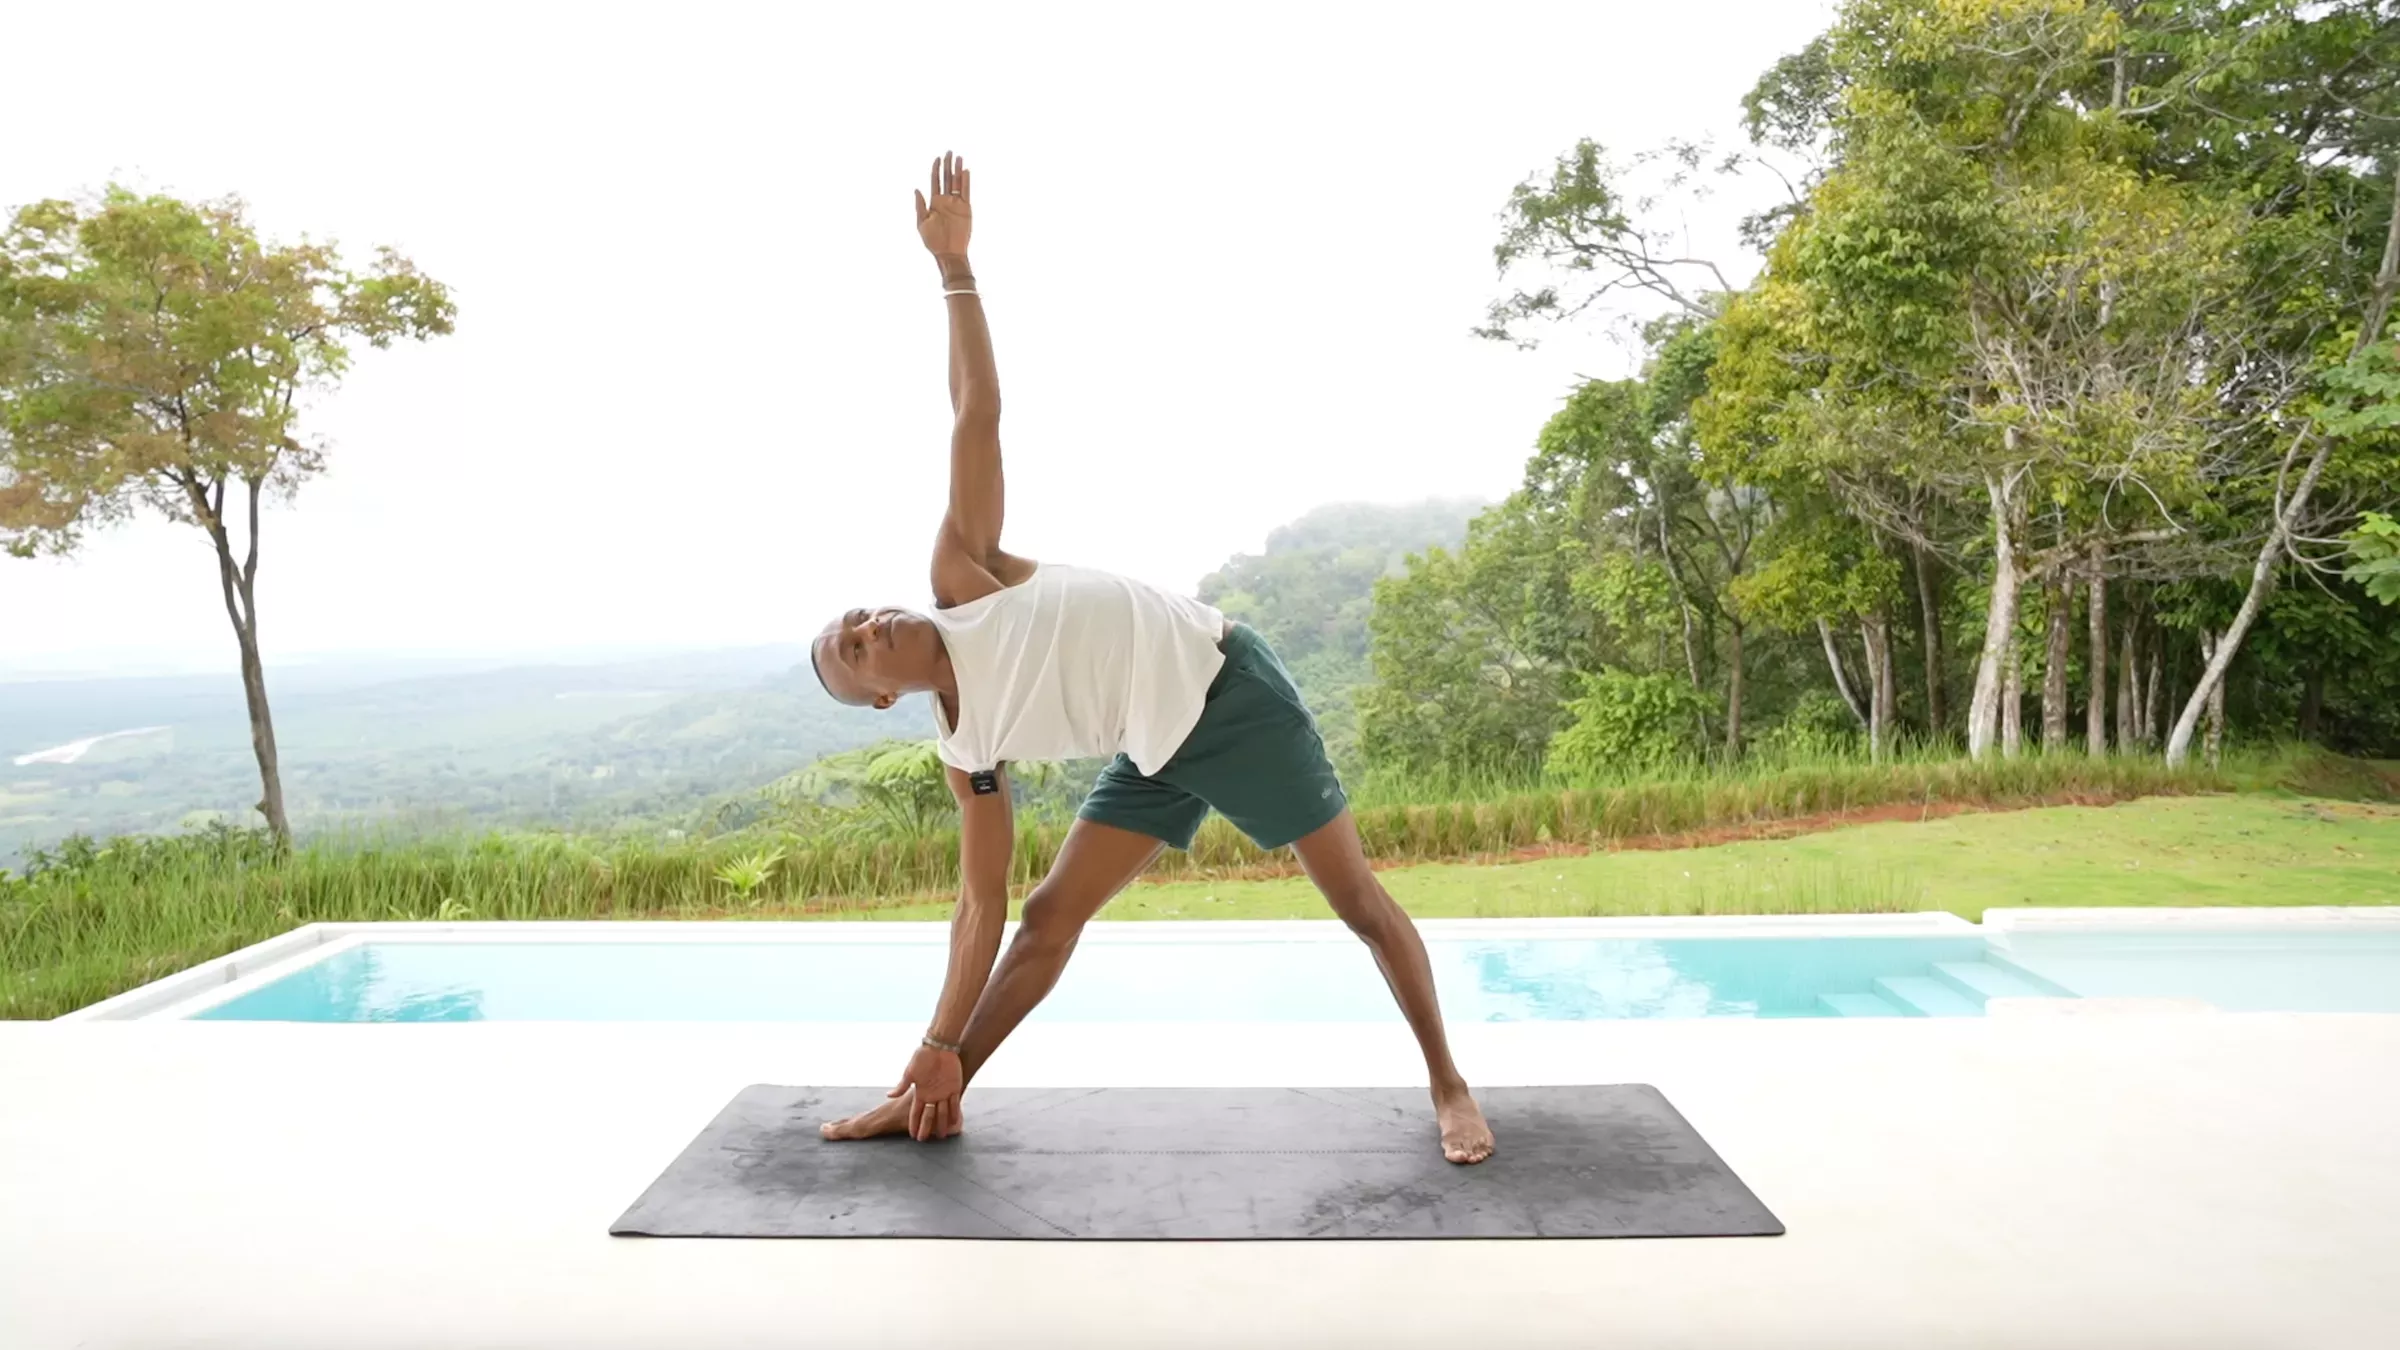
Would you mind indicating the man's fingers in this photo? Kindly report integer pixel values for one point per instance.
(966, 185)
(920, 204)
(903, 1087)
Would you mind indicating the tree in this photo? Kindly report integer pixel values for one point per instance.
(1468, 672)
(2337, 420)
(1583, 222)
(1824, 569)
(2375, 545)
(157, 353)
(2042, 315)
(2043, 233)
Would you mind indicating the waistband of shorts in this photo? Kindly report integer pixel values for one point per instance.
(1241, 638)
(1239, 635)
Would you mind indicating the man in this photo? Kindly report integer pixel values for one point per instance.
(1038, 661)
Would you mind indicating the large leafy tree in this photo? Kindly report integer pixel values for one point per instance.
(157, 353)
(2069, 296)
(2077, 308)
(1471, 662)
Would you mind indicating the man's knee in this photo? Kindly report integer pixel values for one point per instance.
(1360, 902)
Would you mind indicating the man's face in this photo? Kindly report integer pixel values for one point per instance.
(862, 658)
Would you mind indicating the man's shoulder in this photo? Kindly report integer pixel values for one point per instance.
(965, 583)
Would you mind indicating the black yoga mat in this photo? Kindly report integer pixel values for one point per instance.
(1203, 1163)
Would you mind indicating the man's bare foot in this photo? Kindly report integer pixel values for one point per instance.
(1465, 1136)
(889, 1118)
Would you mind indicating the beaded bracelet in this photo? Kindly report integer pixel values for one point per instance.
(959, 292)
(938, 1044)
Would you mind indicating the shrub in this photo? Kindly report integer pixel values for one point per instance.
(1818, 726)
(1625, 722)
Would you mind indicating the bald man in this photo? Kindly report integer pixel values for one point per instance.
(1043, 661)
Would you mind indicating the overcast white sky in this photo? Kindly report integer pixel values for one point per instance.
(1230, 256)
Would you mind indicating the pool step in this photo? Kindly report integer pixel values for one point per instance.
(2041, 983)
(1925, 996)
(1859, 1005)
(1981, 980)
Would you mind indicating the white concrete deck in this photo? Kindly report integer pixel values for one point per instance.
(2093, 1176)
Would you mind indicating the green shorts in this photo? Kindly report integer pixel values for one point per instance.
(1255, 756)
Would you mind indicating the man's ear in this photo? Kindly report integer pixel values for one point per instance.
(883, 702)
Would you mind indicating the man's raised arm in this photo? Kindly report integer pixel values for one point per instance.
(972, 527)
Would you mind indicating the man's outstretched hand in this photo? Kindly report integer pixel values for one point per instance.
(940, 1080)
(923, 1106)
(945, 223)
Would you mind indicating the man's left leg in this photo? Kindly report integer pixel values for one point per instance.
(1337, 863)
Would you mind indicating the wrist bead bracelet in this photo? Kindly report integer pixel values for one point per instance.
(939, 1044)
(959, 292)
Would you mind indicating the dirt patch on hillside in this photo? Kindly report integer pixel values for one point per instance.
(1792, 826)
(1784, 828)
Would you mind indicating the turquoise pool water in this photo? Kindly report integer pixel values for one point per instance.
(1265, 980)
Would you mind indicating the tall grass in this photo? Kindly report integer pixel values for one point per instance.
(91, 921)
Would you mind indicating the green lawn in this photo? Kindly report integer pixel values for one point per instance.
(2216, 850)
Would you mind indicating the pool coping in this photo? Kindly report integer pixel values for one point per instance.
(2195, 919)
(179, 996)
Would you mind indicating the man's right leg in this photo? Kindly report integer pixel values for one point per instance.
(1094, 863)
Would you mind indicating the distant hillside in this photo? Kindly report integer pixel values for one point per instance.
(1310, 593)
(564, 744)
(658, 740)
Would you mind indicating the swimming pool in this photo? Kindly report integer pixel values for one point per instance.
(1872, 966)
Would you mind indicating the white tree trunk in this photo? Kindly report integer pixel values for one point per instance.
(2150, 710)
(1883, 694)
(2129, 731)
(2012, 699)
(2216, 725)
(1841, 677)
(2220, 653)
(1999, 620)
(2213, 739)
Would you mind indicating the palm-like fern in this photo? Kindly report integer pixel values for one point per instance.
(892, 786)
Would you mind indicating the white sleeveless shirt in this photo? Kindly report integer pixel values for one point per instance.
(1074, 663)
